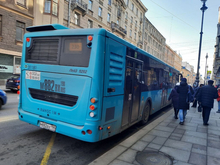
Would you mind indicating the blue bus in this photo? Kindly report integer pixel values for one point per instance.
(89, 84)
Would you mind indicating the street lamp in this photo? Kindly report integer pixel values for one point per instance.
(203, 8)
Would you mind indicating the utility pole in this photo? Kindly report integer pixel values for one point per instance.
(205, 69)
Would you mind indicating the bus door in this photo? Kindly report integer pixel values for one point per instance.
(132, 89)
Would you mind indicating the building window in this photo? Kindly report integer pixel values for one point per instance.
(21, 3)
(135, 23)
(19, 31)
(132, 7)
(140, 15)
(117, 21)
(131, 19)
(130, 33)
(127, 2)
(99, 26)
(109, 2)
(136, 11)
(90, 5)
(90, 24)
(134, 36)
(0, 25)
(100, 12)
(126, 15)
(51, 6)
(125, 27)
(109, 17)
(77, 19)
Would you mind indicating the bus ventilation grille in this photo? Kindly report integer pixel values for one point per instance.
(53, 97)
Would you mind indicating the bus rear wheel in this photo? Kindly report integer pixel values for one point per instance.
(146, 113)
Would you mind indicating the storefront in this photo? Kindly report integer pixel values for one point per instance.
(9, 65)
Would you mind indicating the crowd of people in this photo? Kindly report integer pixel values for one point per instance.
(183, 94)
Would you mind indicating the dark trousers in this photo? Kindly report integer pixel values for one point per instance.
(205, 114)
(194, 103)
(176, 111)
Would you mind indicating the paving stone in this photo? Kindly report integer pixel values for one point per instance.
(198, 151)
(119, 162)
(214, 152)
(197, 159)
(176, 134)
(185, 127)
(196, 134)
(214, 144)
(148, 138)
(128, 156)
(194, 140)
(190, 124)
(160, 133)
(154, 146)
(180, 163)
(200, 147)
(214, 132)
(213, 137)
(150, 149)
(176, 153)
(202, 130)
(172, 125)
(163, 128)
(179, 131)
(175, 138)
(164, 123)
(178, 145)
(213, 161)
(139, 146)
(159, 140)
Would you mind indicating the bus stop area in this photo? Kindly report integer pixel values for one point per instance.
(164, 142)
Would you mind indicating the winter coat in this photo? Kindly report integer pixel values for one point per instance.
(195, 91)
(175, 97)
(183, 91)
(206, 95)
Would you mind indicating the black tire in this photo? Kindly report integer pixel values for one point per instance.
(146, 113)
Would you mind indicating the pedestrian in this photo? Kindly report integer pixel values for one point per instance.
(175, 100)
(218, 99)
(183, 105)
(196, 91)
(206, 97)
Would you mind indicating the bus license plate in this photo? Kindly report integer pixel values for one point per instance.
(48, 126)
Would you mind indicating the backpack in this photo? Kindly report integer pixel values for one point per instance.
(189, 97)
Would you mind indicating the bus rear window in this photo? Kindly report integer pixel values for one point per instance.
(67, 51)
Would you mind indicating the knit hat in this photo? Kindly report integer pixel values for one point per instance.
(184, 80)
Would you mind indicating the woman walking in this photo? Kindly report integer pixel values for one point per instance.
(218, 99)
(183, 104)
(175, 100)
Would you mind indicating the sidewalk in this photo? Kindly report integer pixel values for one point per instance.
(188, 144)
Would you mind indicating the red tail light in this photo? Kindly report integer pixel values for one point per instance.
(89, 131)
(17, 81)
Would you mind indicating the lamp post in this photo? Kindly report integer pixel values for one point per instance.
(203, 8)
(205, 69)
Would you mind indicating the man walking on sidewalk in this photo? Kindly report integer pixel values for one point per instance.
(206, 97)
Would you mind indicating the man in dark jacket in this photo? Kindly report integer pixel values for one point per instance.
(175, 100)
(206, 97)
(182, 104)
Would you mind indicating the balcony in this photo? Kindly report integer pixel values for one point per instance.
(116, 28)
(79, 5)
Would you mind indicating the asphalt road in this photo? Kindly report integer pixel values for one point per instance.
(25, 144)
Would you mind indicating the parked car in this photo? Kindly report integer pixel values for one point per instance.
(3, 98)
(13, 82)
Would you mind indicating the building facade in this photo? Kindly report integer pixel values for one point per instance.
(188, 72)
(169, 55)
(154, 41)
(15, 16)
(216, 61)
(177, 61)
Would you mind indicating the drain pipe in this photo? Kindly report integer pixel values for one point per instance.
(69, 7)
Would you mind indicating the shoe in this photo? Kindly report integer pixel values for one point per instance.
(218, 111)
(175, 117)
(206, 124)
(181, 123)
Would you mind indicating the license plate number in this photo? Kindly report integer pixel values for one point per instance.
(48, 126)
(10, 80)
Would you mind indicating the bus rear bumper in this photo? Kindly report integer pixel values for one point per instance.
(67, 129)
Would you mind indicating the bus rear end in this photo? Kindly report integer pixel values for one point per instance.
(61, 80)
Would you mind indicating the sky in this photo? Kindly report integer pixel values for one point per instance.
(179, 21)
